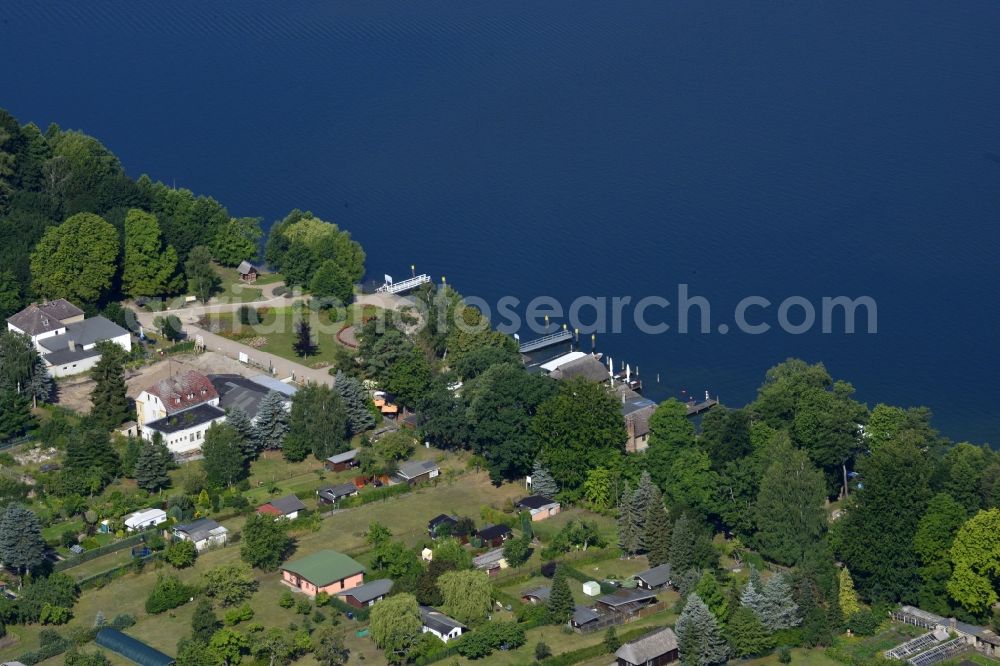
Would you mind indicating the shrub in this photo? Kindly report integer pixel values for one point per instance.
(542, 651)
(169, 592)
(863, 623)
(489, 637)
(287, 600)
(280, 290)
(236, 615)
(54, 614)
(785, 654)
(181, 554)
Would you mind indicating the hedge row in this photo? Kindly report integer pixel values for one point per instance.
(94, 553)
(383, 493)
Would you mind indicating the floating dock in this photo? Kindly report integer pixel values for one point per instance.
(545, 341)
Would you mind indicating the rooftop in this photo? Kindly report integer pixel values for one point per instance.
(132, 648)
(648, 647)
(245, 267)
(338, 491)
(438, 621)
(83, 334)
(346, 456)
(235, 392)
(583, 615)
(488, 559)
(286, 505)
(589, 367)
(491, 532)
(189, 418)
(272, 384)
(536, 501)
(549, 366)
(622, 597)
(324, 567)
(656, 576)
(200, 530)
(414, 468)
(371, 590)
(184, 390)
(42, 318)
(540, 593)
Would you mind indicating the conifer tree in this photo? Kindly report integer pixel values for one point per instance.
(560, 604)
(780, 610)
(41, 386)
(357, 403)
(542, 482)
(847, 596)
(224, 462)
(755, 578)
(628, 538)
(746, 634)
(151, 467)
(22, 547)
(712, 594)
(657, 530)
(111, 406)
(699, 637)
(272, 421)
(684, 545)
(753, 598)
(239, 421)
(640, 501)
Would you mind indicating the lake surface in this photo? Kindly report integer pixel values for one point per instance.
(591, 148)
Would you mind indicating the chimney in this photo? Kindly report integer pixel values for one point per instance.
(71, 344)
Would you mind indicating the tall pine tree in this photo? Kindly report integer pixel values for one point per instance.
(224, 462)
(628, 538)
(640, 501)
(753, 599)
(356, 402)
(152, 465)
(746, 634)
(271, 425)
(542, 482)
(22, 547)
(847, 596)
(111, 406)
(656, 530)
(239, 421)
(699, 637)
(560, 603)
(780, 610)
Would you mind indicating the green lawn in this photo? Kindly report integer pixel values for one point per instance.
(278, 329)
(233, 289)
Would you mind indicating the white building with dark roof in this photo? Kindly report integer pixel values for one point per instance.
(184, 432)
(173, 395)
(439, 624)
(66, 341)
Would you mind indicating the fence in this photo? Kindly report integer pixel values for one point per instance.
(94, 553)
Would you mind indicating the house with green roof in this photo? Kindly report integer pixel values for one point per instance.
(326, 571)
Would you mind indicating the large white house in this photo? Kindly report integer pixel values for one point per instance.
(64, 338)
(173, 395)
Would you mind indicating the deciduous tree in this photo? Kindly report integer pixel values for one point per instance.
(150, 267)
(467, 595)
(395, 625)
(76, 260)
(576, 430)
(318, 423)
(975, 559)
(224, 462)
(264, 543)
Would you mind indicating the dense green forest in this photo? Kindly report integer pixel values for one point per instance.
(77, 227)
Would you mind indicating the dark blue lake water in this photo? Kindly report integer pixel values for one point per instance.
(591, 148)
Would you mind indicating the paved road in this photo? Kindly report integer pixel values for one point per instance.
(280, 367)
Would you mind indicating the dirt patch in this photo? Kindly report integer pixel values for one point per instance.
(208, 363)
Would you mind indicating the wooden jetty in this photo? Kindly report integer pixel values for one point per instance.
(695, 408)
(545, 341)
